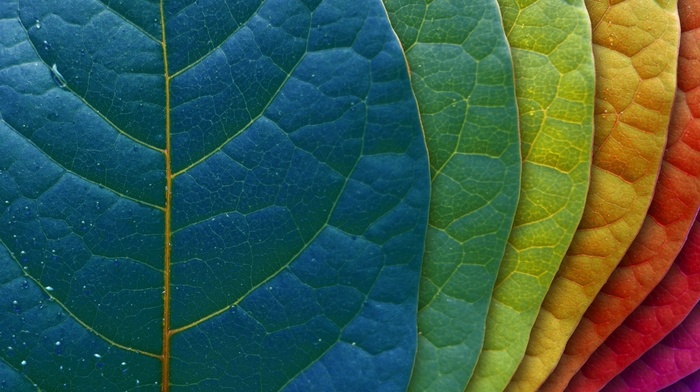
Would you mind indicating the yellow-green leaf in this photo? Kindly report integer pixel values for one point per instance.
(553, 66)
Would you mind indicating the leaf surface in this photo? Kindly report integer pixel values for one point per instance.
(208, 195)
(461, 72)
(690, 383)
(553, 66)
(664, 309)
(674, 358)
(635, 44)
(667, 223)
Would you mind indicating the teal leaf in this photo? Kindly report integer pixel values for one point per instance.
(461, 72)
(230, 195)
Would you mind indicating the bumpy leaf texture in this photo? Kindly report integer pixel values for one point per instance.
(690, 383)
(665, 307)
(551, 47)
(207, 196)
(675, 357)
(635, 44)
(461, 72)
(667, 223)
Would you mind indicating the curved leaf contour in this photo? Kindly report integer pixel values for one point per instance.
(238, 202)
(668, 221)
(675, 357)
(665, 307)
(461, 72)
(690, 383)
(635, 44)
(553, 67)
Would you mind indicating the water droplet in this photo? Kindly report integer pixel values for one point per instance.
(97, 355)
(23, 363)
(58, 343)
(123, 363)
(37, 23)
(48, 288)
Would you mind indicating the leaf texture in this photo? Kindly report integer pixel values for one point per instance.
(635, 44)
(207, 196)
(674, 358)
(664, 309)
(553, 66)
(461, 72)
(668, 221)
(690, 383)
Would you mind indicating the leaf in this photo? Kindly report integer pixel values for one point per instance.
(675, 357)
(461, 72)
(635, 44)
(240, 200)
(672, 212)
(665, 308)
(553, 67)
(690, 383)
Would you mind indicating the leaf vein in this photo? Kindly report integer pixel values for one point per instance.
(80, 176)
(215, 48)
(294, 257)
(247, 126)
(127, 20)
(76, 318)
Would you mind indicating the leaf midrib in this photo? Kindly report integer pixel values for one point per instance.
(167, 333)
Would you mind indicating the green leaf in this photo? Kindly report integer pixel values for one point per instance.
(554, 76)
(461, 72)
(239, 200)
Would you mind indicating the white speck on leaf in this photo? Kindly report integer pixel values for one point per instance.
(57, 76)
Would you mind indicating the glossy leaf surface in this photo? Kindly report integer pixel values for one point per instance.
(553, 66)
(668, 221)
(674, 358)
(665, 307)
(239, 200)
(461, 72)
(636, 51)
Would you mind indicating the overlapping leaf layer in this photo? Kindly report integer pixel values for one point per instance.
(635, 86)
(210, 195)
(665, 307)
(674, 358)
(553, 67)
(462, 76)
(690, 383)
(670, 216)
